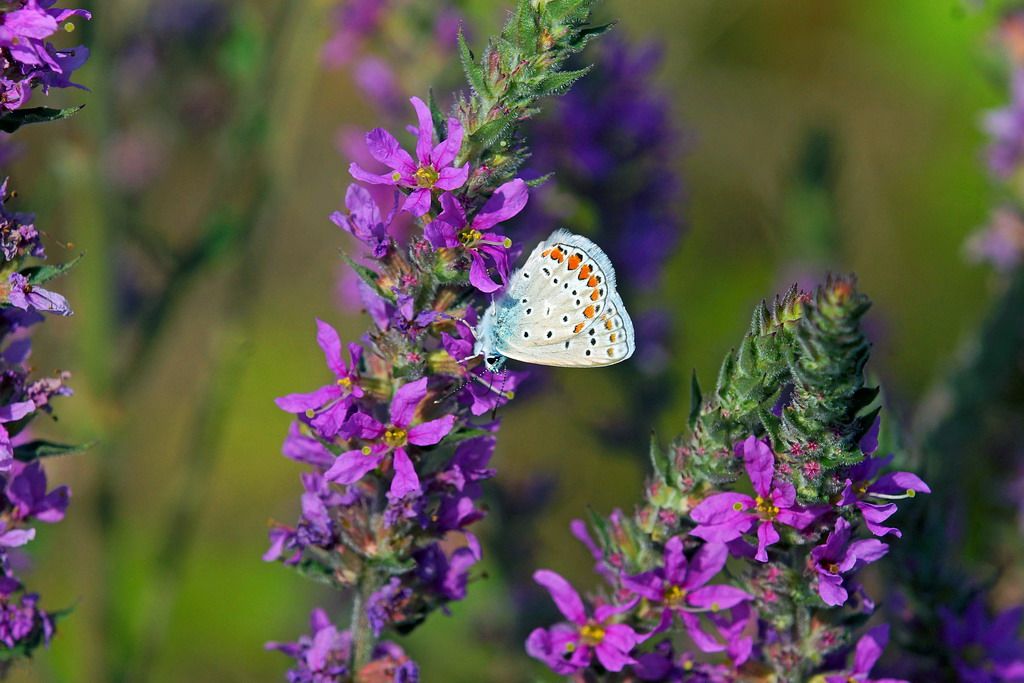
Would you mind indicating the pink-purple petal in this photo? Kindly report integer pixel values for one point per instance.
(384, 148)
(565, 597)
(506, 202)
(430, 433)
(445, 152)
(706, 563)
(417, 203)
(760, 463)
(452, 177)
(425, 132)
(406, 400)
(717, 597)
(351, 466)
(766, 536)
(720, 508)
(301, 402)
(327, 338)
(359, 173)
(405, 482)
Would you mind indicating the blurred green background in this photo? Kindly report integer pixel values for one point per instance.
(897, 87)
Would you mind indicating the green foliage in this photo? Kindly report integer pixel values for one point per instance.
(518, 68)
(13, 120)
(37, 275)
(39, 448)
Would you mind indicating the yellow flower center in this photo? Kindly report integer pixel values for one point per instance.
(592, 633)
(675, 595)
(766, 509)
(345, 382)
(396, 176)
(366, 450)
(395, 437)
(470, 236)
(426, 176)
(831, 567)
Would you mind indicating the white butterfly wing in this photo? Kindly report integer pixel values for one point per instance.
(562, 308)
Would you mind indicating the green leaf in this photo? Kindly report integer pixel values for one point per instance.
(368, 276)
(695, 400)
(492, 131)
(474, 72)
(559, 82)
(579, 41)
(659, 460)
(14, 120)
(48, 449)
(437, 116)
(38, 275)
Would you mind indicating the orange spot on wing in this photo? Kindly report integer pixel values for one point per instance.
(584, 272)
(578, 328)
(613, 338)
(611, 352)
(574, 262)
(589, 312)
(608, 324)
(592, 282)
(594, 296)
(557, 254)
(545, 253)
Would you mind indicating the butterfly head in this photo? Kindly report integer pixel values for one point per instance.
(486, 342)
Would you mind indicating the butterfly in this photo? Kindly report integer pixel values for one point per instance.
(560, 309)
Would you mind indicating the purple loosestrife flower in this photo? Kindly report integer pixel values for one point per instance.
(11, 413)
(13, 538)
(352, 465)
(323, 657)
(355, 20)
(18, 235)
(569, 647)
(1006, 126)
(26, 59)
(447, 576)
(485, 249)
(483, 390)
(1001, 242)
(26, 492)
(26, 296)
(365, 221)
(983, 649)
(860, 488)
(725, 517)
(869, 649)
(329, 406)
(431, 170)
(839, 556)
(680, 586)
(21, 620)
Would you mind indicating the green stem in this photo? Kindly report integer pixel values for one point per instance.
(363, 640)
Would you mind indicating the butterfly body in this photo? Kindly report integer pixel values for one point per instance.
(560, 309)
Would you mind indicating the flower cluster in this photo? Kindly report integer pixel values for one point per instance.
(767, 579)
(399, 441)
(27, 59)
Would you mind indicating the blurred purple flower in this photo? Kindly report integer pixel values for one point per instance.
(1001, 242)
(984, 649)
(432, 169)
(27, 296)
(11, 413)
(725, 517)
(569, 647)
(21, 620)
(355, 20)
(26, 493)
(321, 657)
(1006, 126)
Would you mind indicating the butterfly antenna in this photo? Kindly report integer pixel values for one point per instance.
(458, 387)
(501, 390)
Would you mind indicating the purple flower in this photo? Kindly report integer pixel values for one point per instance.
(838, 556)
(21, 620)
(355, 20)
(680, 586)
(725, 517)
(432, 169)
(27, 59)
(1006, 126)
(11, 413)
(27, 296)
(447, 576)
(365, 221)
(483, 390)
(352, 465)
(891, 486)
(321, 657)
(14, 538)
(486, 250)
(385, 605)
(329, 406)
(984, 649)
(869, 649)
(1001, 242)
(569, 647)
(18, 235)
(27, 494)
